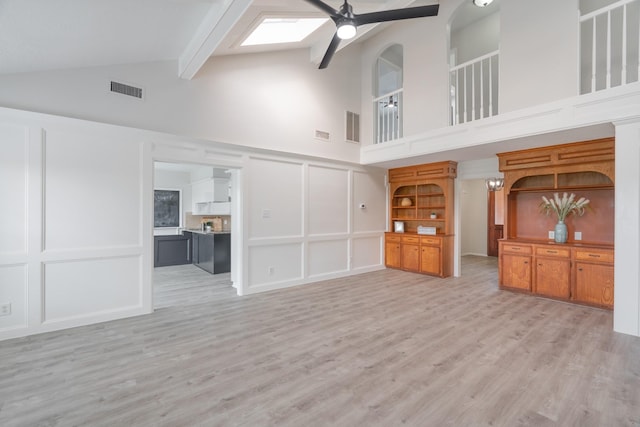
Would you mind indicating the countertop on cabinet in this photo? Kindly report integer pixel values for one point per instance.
(578, 244)
(197, 230)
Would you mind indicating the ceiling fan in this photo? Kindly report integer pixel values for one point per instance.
(346, 21)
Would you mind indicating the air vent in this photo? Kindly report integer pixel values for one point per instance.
(125, 89)
(352, 127)
(324, 136)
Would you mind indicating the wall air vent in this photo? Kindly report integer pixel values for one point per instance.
(322, 135)
(352, 127)
(125, 89)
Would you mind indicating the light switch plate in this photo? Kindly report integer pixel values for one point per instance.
(552, 234)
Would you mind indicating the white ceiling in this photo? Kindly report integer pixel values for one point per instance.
(39, 35)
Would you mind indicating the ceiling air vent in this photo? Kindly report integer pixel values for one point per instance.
(322, 135)
(352, 127)
(125, 89)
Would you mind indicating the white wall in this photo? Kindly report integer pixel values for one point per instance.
(626, 315)
(476, 39)
(538, 52)
(272, 100)
(473, 212)
(305, 224)
(73, 247)
(77, 243)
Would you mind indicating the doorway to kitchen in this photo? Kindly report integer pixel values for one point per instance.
(196, 250)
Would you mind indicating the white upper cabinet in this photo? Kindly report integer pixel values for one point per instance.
(210, 194)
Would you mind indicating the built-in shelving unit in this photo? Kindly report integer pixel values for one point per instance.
(421, 197)
(580, 270)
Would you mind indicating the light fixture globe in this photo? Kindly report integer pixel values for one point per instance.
(482, 3)
(346, 30)
(494, 184)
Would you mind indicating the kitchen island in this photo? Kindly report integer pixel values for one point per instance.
(212, 250)
(209, 250)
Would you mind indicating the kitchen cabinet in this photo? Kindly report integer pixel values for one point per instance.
(210, 196)
(172, 250)
(212, 252)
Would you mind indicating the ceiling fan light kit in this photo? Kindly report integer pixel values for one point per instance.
(482, 3)
(346, 21)
(346, 31)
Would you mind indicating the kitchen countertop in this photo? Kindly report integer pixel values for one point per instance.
(199, 231)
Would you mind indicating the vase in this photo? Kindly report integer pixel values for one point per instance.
(560, 232)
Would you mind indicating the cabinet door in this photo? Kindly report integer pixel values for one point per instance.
(411, 257)
(172, 250)
(221, 253)
(594, 284)
(205, 252)
(552, 277)
(515, 271)
(392, 254)
(430, 260)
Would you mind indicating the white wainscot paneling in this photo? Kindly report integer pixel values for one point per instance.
(275, 195)
(328, 199)
(83, 288)
(275, 263)
(13, 188)
(370, 189)
(13, 291)
(93, 193)
(366, 252)
(326, 257)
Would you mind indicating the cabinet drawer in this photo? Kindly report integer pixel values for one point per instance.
(553, 252)
(515, 248)
(433, 241)
(392, 238)
(593, 255)
(410, 239)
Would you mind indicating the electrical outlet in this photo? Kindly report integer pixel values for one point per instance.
(270, 271)
(552, 234)
(5, 309)
(577, 235)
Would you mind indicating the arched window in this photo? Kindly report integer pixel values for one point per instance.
(387, 103)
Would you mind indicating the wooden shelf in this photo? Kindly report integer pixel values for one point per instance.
(430, 189)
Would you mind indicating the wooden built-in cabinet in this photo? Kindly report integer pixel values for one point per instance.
(571, 273)
(580, 270)
(421, 196)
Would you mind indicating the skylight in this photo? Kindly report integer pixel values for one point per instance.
(283, 30)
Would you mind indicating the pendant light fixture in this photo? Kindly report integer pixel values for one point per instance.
(482, 3)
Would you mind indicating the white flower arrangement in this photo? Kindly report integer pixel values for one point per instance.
(564, 206)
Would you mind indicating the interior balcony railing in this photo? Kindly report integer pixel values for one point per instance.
(387, 110)
(610, 46)
(474, 89)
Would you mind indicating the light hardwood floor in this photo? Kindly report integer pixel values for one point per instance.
(387, 348)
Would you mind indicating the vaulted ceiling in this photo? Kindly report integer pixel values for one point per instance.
(39, 35)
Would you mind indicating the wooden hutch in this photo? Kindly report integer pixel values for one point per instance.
(580, 270)
(421, 198)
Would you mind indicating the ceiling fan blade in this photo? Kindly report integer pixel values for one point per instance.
(333, 46)
(397, 14)
(324, 7)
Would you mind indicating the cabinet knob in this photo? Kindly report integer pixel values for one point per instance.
(526, 262)
(580, 269)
